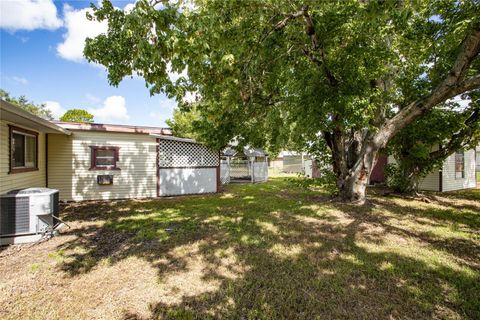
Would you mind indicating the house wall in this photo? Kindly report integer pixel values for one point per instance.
(431, 182)
(448, 177)
(23, 179)
(69, 166)
(181, 181)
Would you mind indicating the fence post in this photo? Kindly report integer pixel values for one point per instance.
(252, 168)
(266, 168)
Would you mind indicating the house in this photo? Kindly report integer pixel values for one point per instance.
(87, 161)
(288, 161)
(477, 157)
(456, 173)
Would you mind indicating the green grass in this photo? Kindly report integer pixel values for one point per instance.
(274, 251)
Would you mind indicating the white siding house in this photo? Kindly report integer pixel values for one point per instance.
(453, 177)
(88, 161)
(71, 172)
(457, 173)
(33, 172)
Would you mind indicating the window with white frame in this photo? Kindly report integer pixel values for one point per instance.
(23, 150)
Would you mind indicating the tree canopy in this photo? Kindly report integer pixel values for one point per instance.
(77, 115)
(268, 73)
(22, 102)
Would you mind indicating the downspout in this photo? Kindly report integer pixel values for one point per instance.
(440, 179)
(46, 160)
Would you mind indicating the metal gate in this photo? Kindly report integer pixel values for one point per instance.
(224, 171)
(240, 170)
(260, 171)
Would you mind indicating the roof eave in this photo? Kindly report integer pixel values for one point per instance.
(19, 112)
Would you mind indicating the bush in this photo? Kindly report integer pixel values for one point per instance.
(327, 181)
(396, 179)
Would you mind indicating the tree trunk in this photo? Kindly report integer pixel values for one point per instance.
(352, 188)
(353, 161)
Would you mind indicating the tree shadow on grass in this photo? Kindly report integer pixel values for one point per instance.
(275, 257)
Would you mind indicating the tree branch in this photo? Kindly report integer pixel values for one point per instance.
(461, 138)
(465, 86)
(288, 16)
(449, 88)
(316, 45)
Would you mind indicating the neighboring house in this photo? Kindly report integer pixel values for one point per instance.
(99, 161)
(378, 172)
(288, 161)
(477, 156)
(456, 173)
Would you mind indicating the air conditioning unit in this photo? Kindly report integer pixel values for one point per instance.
(26, 215)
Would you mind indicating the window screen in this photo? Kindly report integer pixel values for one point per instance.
(24, 150)
(104, 158)
(459, 165)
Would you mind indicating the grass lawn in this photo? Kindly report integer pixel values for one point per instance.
(266, 251)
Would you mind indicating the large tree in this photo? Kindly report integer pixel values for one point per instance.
(77, 115)
(183, 121)
(353, 73)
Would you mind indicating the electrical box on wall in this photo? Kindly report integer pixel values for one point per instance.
(105, 179)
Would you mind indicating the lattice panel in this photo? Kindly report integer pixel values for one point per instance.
(174, 154)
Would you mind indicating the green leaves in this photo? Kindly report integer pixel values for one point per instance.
(274, 86)
(77, 115)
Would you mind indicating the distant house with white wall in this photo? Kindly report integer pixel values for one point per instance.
(456, 173)
(477, 156)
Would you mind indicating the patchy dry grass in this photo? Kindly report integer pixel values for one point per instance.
(269, 251)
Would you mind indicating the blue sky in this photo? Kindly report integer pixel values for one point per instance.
(41, 58)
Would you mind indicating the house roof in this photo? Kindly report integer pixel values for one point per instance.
(160, 136)
(103, 127)
(16, 115)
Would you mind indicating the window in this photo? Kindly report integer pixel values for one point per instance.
(104, 158)
(23, 150)
(459, 165)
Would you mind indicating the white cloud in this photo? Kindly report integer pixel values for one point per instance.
(129, 7)
(92, 99)
(78, 29)
(19, 80)
(55, 108)
(174, 76)
(191, 96)
(28, 15)
(113, 109)
(463, 103)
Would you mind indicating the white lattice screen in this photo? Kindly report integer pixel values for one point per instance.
(175, 154)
